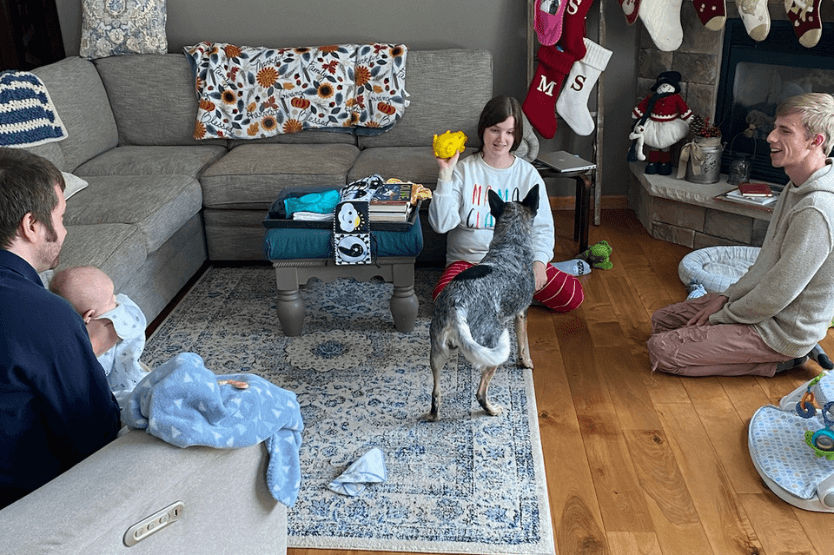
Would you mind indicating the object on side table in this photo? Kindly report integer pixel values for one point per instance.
(755, 189)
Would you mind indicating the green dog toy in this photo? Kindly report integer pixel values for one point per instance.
(597, 256)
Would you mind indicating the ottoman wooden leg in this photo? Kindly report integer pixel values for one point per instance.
(404, 307)
(404, 303)
(290, 308)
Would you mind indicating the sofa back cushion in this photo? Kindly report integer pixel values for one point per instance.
(153, 99)
(447, 89)
(81, 102)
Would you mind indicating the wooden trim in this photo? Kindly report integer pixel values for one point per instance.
(609, 202)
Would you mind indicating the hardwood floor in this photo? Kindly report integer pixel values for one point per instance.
(640, 462)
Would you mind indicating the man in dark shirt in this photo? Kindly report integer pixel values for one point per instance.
(55, 406)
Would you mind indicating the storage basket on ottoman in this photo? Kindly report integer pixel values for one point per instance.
(303, 250)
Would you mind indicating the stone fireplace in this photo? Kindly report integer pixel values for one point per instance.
(687, 213)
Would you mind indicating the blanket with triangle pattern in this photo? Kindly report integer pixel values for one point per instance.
(184, 403)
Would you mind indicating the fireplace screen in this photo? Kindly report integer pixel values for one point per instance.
(754, 78)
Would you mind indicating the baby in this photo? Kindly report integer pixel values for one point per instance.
(90, 292)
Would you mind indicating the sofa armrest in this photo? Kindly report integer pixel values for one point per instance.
(88, 509)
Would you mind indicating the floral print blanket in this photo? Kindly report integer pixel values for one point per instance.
(252, 92)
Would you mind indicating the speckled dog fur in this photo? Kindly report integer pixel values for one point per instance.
(473, 312)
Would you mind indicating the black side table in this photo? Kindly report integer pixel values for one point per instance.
(585, 186)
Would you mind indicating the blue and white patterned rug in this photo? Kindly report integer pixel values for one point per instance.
(468, 483)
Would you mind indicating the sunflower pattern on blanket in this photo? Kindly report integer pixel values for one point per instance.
(253, 92)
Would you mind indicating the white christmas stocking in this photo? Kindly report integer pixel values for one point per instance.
(755, 17)
(662, 19)
(573, 102)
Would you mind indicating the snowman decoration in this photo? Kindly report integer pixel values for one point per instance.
(662, 120)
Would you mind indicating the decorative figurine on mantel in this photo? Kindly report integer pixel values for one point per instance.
(662, 120)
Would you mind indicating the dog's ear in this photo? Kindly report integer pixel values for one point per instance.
(531, 201)
(496, 205)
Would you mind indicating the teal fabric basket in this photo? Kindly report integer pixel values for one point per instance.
(291, 243)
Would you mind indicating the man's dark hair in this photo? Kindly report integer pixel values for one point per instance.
(27, 184)
(497, 110)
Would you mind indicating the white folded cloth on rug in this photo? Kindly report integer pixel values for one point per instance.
(367, 469)
(185, 404)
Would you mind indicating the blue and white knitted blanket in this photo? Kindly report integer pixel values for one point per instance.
(185, 404)
(27, 115)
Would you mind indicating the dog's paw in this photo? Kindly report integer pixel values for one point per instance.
(492, 410)
(525, 362)
(429, 417)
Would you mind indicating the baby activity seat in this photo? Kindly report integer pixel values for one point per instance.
(792, 445)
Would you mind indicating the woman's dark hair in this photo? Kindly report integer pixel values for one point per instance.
(497, 110)
(27, 184)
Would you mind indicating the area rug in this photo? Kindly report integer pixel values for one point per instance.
(469, 483)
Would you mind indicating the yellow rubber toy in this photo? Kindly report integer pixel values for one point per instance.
(448, 143)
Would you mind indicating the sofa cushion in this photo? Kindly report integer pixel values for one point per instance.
(153, 160)
(309, 136)
(252, 176)
(153, 98)
(159, 205)
(52, 152)
(409, 163)
(117, 249)
(447, 89)
(81, 101)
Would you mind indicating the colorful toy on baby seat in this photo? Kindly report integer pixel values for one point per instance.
(822, 440)
(448, 143)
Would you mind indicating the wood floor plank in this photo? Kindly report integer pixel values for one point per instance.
(627, 543)
(621, 503)
(818, 527)
(722, 515)
(779, 530)
(726, 430)
(676, 522)
(574, 508)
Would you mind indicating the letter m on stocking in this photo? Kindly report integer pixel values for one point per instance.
(546, 86)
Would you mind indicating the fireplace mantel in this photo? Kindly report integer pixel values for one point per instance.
(687, 214)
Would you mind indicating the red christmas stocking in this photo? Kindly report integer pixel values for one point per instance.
(573, 27)
(631, 9)
(712, 13)
(540, 103)
(805, 16)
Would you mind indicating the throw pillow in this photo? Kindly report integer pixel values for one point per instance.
(27, 115)
(73, 184)
(111, 28)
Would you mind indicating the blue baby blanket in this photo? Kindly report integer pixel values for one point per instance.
(185, 404)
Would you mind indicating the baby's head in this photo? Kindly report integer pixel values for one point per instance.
(88, 290)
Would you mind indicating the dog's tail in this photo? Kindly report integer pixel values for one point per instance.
(481, 355)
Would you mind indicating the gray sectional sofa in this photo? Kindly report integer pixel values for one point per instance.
(159, 204)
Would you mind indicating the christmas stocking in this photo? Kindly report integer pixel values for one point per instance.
(662, 19)
(631, 9)
(712, 13)
(549, 20)
(573, 28)
(805, 16)
(573, 102)
(755, 17)
(539, 105)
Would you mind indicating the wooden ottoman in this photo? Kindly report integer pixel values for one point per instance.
(299, 254)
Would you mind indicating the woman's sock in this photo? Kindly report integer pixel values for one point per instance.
(575, 267)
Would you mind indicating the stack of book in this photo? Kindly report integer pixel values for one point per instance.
(393, 202)
(753, 194)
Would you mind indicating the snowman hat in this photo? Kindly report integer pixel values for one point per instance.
(671, 77)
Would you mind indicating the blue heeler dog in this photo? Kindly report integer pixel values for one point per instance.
(473, 312)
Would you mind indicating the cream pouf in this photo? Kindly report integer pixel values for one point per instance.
(716, 268)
